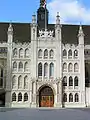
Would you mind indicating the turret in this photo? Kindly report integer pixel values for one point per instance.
(81, 36)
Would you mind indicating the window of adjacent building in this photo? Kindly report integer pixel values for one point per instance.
(64, 67)
(64, 81)
(20, 66)
(27, 53)
(76, 67)
(46, 53)
(14, 66)
(19, 82)
(70, 81)
(70, 67)
(70, 97)
(15, 52)
(46, 70)
(70, 53)
(25, 82)
(19, 97)
(76, 97)
(13, 97)
(75, 54)
(51, 53)
(25, 97)
(64, 53)
(21, 53)
(51, 69)
(26, 66)
(40, 53)
(64, 97)
(39, 69)
(14, 82)
(76, 81)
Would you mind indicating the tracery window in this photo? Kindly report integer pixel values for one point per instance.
(14, 97)
(46, 70)
(70, 67)
(76, 97)
(76, 67)
(64, 53)
(20, 66)
(46, 53)
(25, 97)
(19, 97)
(25, 82)
(15, 52)
(70, 53)
(27, 53)
(14, 66)
(19, 82)
(64, 97)
(39, 69)
(14, 82)
(51, 69)
(21, 53)
(70, 97)
(26, 66)
(76, 81)
(75, 54)
(64, 81)
(64, 67)
(51, 54)
(70, 81)
(40, 53)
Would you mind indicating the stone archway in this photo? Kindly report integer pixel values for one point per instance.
(46, 97)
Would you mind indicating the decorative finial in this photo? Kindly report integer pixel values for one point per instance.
(58, 18)
(10, 28)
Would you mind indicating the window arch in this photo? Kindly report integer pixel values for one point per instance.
(51, 69)
(20, 66)
(76, 67)
(51, 53)
(26, 52)
(15, 52)
(45, 69)
(21, 53)
(64, 53)
(26, 66)
(25, 82)
(19, 82)
(64, 97)
(14, 97)
(70, 81)
(64, 67)
(40, 53)
(39, 69)
(76, 97)
(19, 97)
(76, 81)
(14, 66)
(75, 54)
(70, 67)
(64, 81)
(70, 53)
(14, 81)
(70, 97)
(45, 53)
(25, 97)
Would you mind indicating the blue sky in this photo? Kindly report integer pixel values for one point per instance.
(71, 11)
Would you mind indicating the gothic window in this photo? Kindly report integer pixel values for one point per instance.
(64, 97)
(64, 67)
(75, 54)
(21, 53)
(70, 81)
(20, 66)
(46, 53)
(64, 53)
(25, 97)
(19, 82)
(70, 54)
(27, 53)
(76, 81)
(76, 97)
(64, 81)
(26, 66)
(40, 53)
(14, 97)
(70, 97)
(51, 53)
(19, 97)
(25, 82)
(14, 66)
(76, 67)
(70, 67)
(39, 69)
(51, 69)
(14, 81)
(15, 52)
(45, 70)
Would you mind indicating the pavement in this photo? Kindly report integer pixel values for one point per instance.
(44, 114)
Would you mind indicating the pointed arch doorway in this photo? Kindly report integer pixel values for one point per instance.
(46, 97)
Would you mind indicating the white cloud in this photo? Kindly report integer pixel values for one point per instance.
(71, 11)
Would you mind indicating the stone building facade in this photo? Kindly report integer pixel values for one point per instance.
(44, 67)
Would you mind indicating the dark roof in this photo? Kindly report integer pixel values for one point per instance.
(22, 32)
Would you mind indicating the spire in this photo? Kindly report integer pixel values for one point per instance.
(80, 31)
(58, 18)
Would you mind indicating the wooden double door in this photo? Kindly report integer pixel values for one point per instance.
(46, 97)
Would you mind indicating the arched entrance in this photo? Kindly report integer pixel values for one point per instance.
(46, 97)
